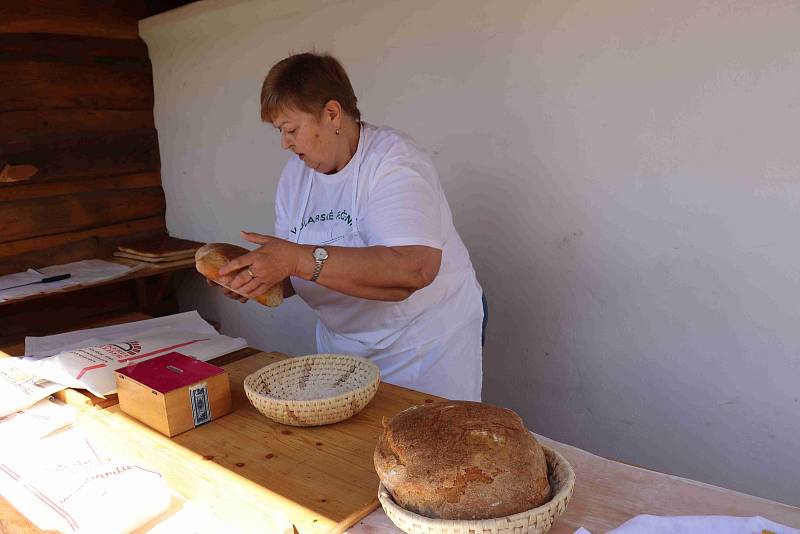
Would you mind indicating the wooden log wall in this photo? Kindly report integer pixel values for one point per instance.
(79, 160)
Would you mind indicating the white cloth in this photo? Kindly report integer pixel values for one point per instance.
(63, 483)
(389, 194)
(697, 524)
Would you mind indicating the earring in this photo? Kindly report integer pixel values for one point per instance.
(337, 131)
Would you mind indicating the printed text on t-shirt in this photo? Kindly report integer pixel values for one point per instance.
(340, 215)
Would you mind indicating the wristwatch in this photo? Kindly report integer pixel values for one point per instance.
(320, 256)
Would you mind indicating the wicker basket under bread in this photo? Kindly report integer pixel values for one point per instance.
(319, 389)
(535, 521)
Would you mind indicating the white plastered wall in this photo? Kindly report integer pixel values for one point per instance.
(626, 175)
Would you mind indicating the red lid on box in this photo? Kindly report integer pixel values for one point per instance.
(170, 371)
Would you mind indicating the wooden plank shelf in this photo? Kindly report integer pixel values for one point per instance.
(147, 290)
(150, 269)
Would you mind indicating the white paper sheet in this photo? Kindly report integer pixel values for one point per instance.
(38, 347)
(91, 365)
(10, 280)
(83, 272)
(19, 386)
(21, 428)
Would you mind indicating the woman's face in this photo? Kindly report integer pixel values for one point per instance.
(311, 138)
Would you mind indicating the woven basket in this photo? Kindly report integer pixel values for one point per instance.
(535, 521)
(313, 390)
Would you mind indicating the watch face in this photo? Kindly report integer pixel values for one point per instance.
(320, 254)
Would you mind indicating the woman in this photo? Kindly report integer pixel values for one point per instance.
(365, 236)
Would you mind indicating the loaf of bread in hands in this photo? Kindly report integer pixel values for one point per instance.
(210, 258)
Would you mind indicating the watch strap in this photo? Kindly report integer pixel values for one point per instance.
(317, 269)
(318, 262)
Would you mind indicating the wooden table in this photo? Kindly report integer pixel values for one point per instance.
(607, 493)
(258, 475)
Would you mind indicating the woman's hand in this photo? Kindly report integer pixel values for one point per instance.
(376, 272)
(257, 271)
(228, 293)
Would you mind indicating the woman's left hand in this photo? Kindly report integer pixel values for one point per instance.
(264, 267)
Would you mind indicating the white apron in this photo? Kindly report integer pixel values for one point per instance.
(447, 364)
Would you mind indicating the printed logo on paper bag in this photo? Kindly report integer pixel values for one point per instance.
(201, 411)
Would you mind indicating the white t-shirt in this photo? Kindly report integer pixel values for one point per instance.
(388, 194)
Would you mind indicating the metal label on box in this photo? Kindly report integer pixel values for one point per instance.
(201, 411)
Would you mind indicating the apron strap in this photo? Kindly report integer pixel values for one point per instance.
(360, 155)
(303, 209)
(354, 200)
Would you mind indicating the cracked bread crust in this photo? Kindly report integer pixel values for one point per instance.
(211, 257)
(461, 460)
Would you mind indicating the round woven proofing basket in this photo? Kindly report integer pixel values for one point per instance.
(319, 389)
(534, 521)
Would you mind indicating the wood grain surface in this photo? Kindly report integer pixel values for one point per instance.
(249, 470)
(41, 123)
(92, 18)
(79, 211)
(38, 84)
(56, 249)
(79, 157)
(82, 49)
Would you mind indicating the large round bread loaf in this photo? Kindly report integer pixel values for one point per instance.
(211, 257)
(461, 460)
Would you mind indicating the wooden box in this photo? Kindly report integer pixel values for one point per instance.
(173, 393)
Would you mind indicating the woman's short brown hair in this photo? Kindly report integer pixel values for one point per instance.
(307, 82)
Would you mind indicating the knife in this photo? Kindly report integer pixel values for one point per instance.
(44, 280)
